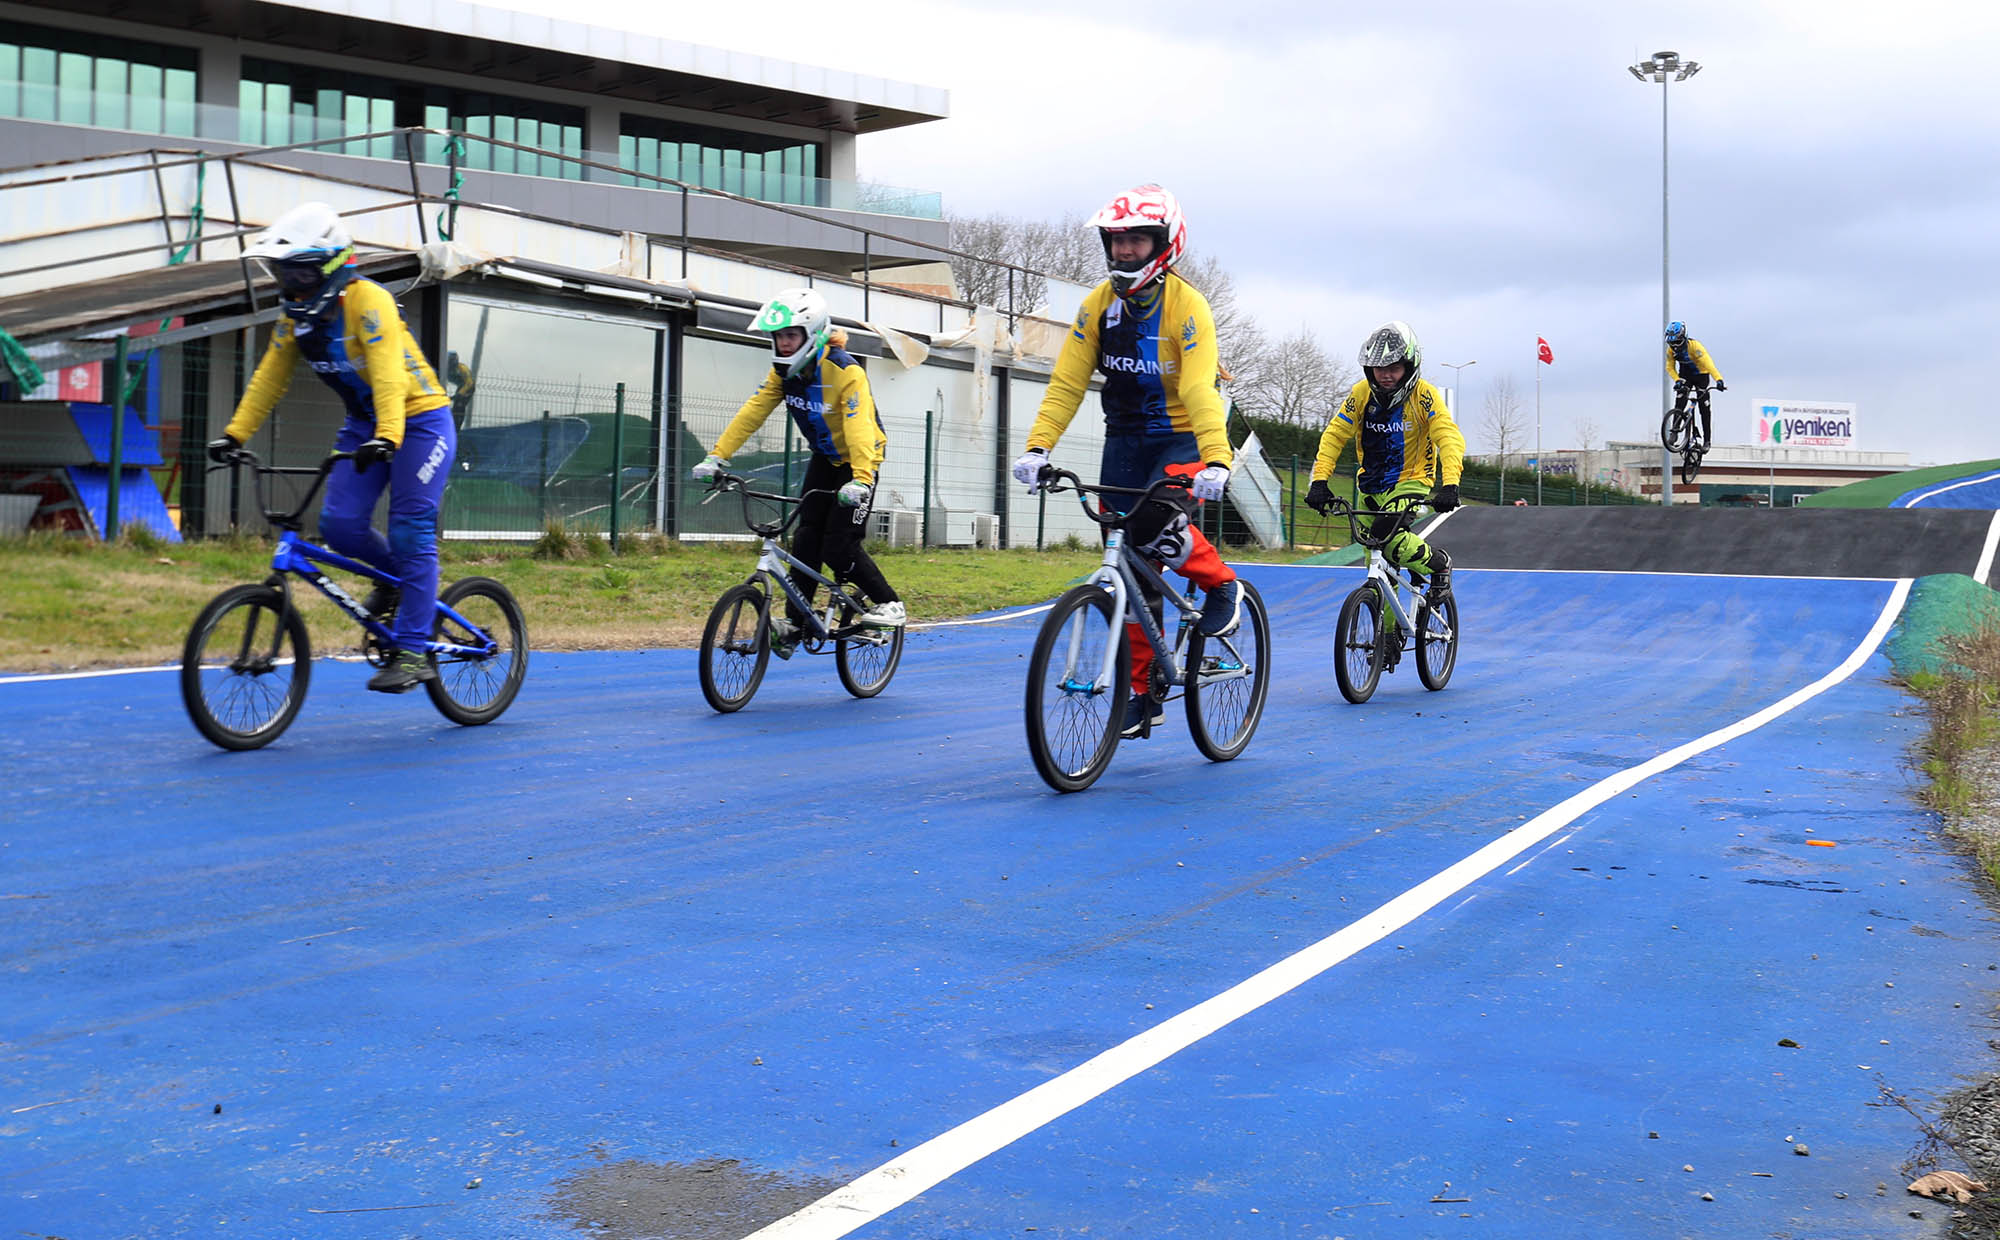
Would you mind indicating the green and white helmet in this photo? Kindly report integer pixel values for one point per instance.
(1388, 344)
(796, 307)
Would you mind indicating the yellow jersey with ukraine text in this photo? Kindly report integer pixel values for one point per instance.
(1159, 359)
(1416, 441)
(363, 351)
(830, 404)
(1692, 358)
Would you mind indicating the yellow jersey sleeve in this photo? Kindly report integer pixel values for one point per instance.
(751, 415)
(1340, 431)
(1196, 381)
(268, 385)
(1070, 379)
(862, 440)
(1446, 439)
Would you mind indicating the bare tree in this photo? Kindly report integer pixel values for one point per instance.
(1296, 381)
(1587, 434)
(1505, 423)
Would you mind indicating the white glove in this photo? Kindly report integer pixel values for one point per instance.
(1029, 468)
(1209, 482)
(710, 466)
(852, 493)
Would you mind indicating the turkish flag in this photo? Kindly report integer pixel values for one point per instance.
(1543, 352)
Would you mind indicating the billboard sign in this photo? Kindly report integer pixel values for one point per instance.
(1805, 424)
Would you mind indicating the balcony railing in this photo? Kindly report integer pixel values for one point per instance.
(562, 161)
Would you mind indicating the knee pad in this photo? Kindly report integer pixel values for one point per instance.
(347, 535)
(412, 537)
(1407, 550)
(1161, 532)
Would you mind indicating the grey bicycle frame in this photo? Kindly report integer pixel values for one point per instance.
(1391, 586)
(1121, 573)
(774, 560)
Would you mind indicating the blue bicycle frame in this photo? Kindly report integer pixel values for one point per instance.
(295, 555)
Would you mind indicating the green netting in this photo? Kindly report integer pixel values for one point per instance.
(1940, 606)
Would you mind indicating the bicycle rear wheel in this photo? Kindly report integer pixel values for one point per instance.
(1228, 679)
(1437, 652)
(1690, 465)
(469, 688)
(866, 661)
(1074, 719)
(245, 667)
(1357, 644)
(735, 648)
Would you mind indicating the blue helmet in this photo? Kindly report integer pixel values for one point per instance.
(1677, 331)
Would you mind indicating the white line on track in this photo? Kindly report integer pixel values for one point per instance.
(1986, 553)
(108, 671)
(1963, 482)
(898, 1180)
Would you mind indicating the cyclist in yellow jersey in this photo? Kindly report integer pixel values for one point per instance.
(1691, 369)
(399, 425)
(1152, 335)
(826, 393)
(1404, 440)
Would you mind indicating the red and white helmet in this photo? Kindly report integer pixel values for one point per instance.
(1146, 208)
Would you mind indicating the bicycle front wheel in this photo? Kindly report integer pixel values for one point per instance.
(1074, 718)
(471, 688)
(1437, 643)
(245, 667)
(735, 649)
(867, 660)
(1228, 678)
(1357, 644)
(1674, 427)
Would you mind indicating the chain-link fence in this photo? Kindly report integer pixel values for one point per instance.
(534, 453)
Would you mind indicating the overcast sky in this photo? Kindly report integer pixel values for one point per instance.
(1490, 172)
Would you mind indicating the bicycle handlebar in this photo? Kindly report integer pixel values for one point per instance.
(292, 520)
(1051, 479)
(1400, 510)
(723, 483)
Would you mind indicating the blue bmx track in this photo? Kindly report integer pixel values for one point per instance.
(618, 966)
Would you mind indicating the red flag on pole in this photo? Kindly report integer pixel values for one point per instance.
(1543, 352)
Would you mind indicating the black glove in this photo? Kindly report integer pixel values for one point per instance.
(1319, 497)
(220, 448)
(1720, 386)
(371, 451)
(1447, 498)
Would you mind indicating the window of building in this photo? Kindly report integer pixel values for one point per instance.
(282, 103)
(535, 393)
(97, 80)
(754, 165)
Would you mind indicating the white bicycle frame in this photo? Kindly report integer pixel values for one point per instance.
(1391, 584)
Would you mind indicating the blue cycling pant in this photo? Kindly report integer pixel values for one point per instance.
(416, 478)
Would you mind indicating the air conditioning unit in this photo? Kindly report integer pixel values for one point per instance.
(950, 527)
(899, 527)
(986, 530)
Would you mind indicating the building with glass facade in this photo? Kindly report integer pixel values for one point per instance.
(530, 97)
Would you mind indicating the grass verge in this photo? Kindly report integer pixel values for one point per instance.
(1962, 695)
(68, 603)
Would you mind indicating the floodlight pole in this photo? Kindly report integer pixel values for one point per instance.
(1664, 67)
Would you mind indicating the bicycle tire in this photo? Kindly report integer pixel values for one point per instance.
(1357, 644)
(1436, 658)
(237, 697)
(1223, 713)
(866, 664)
(735, 648)
(1073, 732)
(1675, 427)
(474, 689)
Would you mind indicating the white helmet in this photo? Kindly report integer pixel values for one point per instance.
(803, 308)
(1150, 209)
(1388, 344)
(308, 251)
